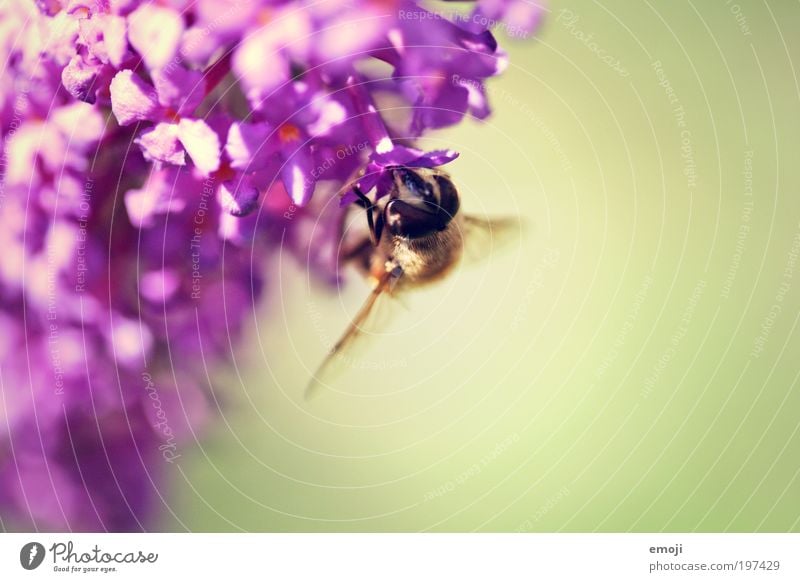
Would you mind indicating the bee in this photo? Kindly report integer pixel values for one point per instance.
(416, 237)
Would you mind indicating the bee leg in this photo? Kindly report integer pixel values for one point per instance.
(379, 227)
(367, 204)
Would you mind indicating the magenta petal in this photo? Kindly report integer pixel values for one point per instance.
(521, 17)
(351, 30)
(161, 144)
(179, 89)
(374, 126)
(238, 197)
(132, 99)
(375, 177)
(202, 144)
(331, 114)
(403, 156)
(225, 16)
(397, 156)
(49, 7)
(478, 103)
(248, 146)
(433, 158)
(297, 178)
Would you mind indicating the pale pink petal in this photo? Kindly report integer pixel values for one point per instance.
(81, 123)
(131, 341)
(81, 78)
(105, 36)
(202, 144)
(132, 99)
(115, 39)
(331, 114)
(161, 144)
(155, 32)
(230, 228)
(159, 286)
(259, 64)
(154, 198)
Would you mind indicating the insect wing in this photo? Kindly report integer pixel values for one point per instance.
(484, 236)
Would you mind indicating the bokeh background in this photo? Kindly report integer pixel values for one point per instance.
(629, 364)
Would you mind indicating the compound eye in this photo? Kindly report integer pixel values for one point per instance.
(413, 187)
(448, 198)
(403, 219)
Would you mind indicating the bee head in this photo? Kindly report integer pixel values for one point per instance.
(422, 201)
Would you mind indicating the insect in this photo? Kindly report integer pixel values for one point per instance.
(415, 237)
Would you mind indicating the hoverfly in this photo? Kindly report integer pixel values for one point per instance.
(415, 237)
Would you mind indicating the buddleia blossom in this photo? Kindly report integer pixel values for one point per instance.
(154, 155)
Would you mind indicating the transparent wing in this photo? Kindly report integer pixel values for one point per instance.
(372, 316)
(482, 236)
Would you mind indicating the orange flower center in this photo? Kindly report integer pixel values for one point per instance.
(288, 132)
(225, 172)
(264, 16)
(172, 115)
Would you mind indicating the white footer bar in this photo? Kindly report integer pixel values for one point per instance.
(390, 557)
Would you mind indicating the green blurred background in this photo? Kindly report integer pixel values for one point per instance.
(630, 364)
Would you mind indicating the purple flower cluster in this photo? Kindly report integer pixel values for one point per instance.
(152, 154)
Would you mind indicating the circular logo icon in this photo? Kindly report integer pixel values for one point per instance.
(31, 555)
